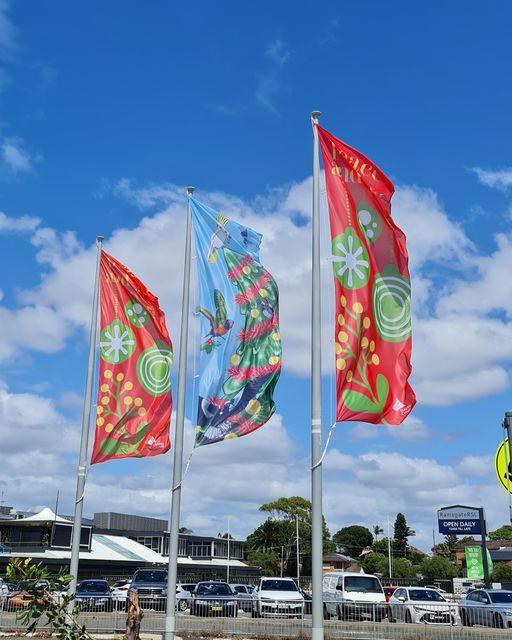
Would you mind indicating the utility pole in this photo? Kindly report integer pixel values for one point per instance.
(298, 550)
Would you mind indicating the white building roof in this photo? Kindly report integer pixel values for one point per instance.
(45, 515)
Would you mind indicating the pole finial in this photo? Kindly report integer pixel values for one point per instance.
(190, 191)
(315, 115)
(99, 239)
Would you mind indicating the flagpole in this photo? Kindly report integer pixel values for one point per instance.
(317, 624)
(84, 441)
(172, 575)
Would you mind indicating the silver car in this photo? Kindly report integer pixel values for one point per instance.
(489, 607)
(420, 605)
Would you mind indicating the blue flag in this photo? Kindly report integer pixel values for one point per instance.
(240, 348)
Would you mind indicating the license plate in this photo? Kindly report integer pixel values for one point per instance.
(216, 608)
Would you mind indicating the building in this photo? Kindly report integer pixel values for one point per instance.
(113, 545)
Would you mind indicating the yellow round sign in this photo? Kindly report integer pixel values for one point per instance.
(500, 466)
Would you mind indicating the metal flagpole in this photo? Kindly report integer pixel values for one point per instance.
(170, 616)
(84, 441)
(317, 623)
(227, 567)
(508, 457)
(389, 553)
(298, 549)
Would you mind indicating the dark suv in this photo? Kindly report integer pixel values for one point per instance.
(151, 587)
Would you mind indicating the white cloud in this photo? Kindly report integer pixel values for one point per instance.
(270, 83)
(15, 157)
(21, 224)
(8, 32)
(499, 179)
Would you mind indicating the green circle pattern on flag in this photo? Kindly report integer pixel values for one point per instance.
(392, 305)
(153, 369)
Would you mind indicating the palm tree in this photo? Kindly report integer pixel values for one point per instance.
(377, 530)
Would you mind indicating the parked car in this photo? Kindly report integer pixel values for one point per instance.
(277, 598)
(151, 588)
(213, 599)
(353, 595)
(19, 597)
(389, 591)
(94, 595)
(244, 593)
(4, 592)
(421, 605)
(489, 607)
(183, 596)
(120, 593)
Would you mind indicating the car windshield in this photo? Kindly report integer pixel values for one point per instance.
(502, 597)
(425, 594)
(219, 589)
(92, 587)
(150, 576)
(363, 584)
(278, 585)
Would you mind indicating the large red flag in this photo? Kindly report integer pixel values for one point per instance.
(373, 289)
(134, 395)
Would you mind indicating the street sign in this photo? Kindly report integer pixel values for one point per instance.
(459, 519)
(501, 462)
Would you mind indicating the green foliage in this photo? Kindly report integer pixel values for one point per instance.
(403, 568)
(377, 530)
(503, 533)
(402, 534)
(437, 568)
(380, 546)
(43, 609)
(501, 572)
(353, 539)
(278, 534)
(374, 563)
(268, 561)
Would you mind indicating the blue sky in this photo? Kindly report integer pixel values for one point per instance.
(108, 110)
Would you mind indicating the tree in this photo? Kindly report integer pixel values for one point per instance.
(402, 534)
(377, 530)
(225, 536)
(353, 539)
(374, 562)
(503, 533)
(437, 568)
(267, 561)
(502, 572)
(185, 530)
(279, 533)
(380, 546)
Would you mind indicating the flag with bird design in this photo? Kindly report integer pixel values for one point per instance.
(240, 343)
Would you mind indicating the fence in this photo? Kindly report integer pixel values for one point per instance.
(280, 618)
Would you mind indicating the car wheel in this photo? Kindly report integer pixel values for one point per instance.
(497, 621)
(408, 618)
(391, 617)
(327, 615)
(340, 613)
(192, 611)
(182, 605)
(464, 619)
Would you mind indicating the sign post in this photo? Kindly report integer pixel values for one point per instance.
(462, 520)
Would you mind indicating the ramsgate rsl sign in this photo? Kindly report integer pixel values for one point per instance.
(459, 519)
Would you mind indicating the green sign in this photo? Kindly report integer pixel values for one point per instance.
(474, 564)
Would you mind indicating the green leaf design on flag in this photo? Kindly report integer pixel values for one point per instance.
(350, 260)
(136, 313)
(382, 389)
(360, 403)
(115, 447)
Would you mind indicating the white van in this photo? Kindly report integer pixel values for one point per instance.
(353, 595)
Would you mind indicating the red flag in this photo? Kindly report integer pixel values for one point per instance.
(373, 289)
(134, 395)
